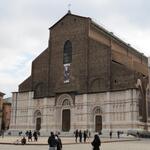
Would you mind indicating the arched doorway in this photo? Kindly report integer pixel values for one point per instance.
(98, 119)
(38, 124)
(65, 109)
(66, 115)
(37, 120)
(66, 120)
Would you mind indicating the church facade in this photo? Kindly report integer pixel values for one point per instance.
(87, 78)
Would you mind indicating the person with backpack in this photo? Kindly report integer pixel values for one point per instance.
(52, 142)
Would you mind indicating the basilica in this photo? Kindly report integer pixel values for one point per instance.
(86, 78)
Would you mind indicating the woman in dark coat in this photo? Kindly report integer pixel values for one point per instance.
(59, 143)
(96, 143)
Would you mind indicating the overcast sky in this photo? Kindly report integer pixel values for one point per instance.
(24, 29)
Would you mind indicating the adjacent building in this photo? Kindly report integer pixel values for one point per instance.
(87, 78)
(1, 108)
(6, 116)
(148, 92)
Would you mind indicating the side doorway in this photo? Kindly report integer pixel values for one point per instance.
(38, 124)
(37, 120)
(66, 120)
(98, 123)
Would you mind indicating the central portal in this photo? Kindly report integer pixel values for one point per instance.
(66, 120)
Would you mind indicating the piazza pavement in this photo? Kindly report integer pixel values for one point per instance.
(124, 143)
(128, 145)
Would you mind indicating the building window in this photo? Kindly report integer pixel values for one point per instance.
(67, 56)
(39, 90)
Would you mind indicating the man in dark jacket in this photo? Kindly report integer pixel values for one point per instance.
(35, 136)
(52, 142)
(30, 136)
(85, 136)
(76, 135)
(80, 136)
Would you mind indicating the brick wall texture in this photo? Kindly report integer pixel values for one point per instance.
(100, 61)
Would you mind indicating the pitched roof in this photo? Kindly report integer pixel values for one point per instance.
(2, 94)
(115, 37)
(68, 14)
(108, 33)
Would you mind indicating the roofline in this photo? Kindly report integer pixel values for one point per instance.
(40, 54)
(104, 30)
(2, 94)
(67, 15)
(8, 103)
(116, 38)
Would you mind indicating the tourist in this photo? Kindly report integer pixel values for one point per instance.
(52, 142)
(138, 134)
(59, 143)
(110, 134)
(80, 136)
(23, 141)
(30, 136)
(88, 134)
(85, 136)
(76, 135)
(35, 136)
(96, 143)
(118, 134)
(20, 133)
(27, 133)
(2, 133)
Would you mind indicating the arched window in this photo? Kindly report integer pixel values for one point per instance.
(67, 57)
(37, 114)
(39, 90)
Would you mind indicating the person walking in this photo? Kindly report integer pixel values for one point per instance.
(23, 141)
(118, 134)
(76, 135)
(110, 134)
(59, 144)
(80, 136)
(35, 136)
(30, 136)
(85, 136)
(2, 133)
(52, 142)
(96, 143)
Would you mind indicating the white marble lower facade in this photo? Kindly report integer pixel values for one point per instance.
(118, 111)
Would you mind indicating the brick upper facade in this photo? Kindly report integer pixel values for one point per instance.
(100, 61)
